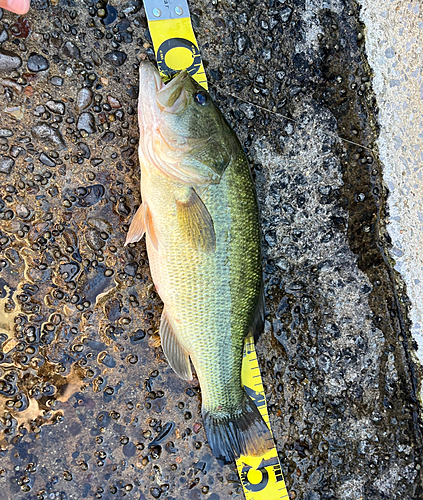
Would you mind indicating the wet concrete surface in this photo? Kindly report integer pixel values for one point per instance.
(84, 387)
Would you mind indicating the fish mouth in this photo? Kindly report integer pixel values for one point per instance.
(155, 96)
(150, 82)
(172, 97)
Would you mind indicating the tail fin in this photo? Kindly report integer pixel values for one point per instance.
(241, 433)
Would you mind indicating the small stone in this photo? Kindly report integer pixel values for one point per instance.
(83, 99)
(15, 111)
(6, 164)
(46, 160)
(57, 81)
(56, 107)
(5, 132)
(71, 50)
(131, 269)
(106, 360)
(93, 239)
(86, 122)
(129, 449)
(110, 15)
(11, 83)
(69, 270)
(22, 211)
(242, 43)
(285, 13)
(37, 62)
(9, 61)
(108, 136)
(116, 57)
(132, 91)
(95, 162)
(15, 151)
(114, 103)
(83, 150)
(90, 196)
(4, 36)
(247, 109)
(280, 75)
(48, 136)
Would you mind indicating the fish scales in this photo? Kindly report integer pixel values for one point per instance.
(210, 296)
(200, 215)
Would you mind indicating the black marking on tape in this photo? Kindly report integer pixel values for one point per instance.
(173, 43)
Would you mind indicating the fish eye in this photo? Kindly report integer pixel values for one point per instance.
(201, 98)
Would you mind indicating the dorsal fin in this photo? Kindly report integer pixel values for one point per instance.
(176, 355)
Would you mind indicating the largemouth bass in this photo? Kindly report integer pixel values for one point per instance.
(200, 215)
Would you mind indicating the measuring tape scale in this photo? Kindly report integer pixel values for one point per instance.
(176, 49)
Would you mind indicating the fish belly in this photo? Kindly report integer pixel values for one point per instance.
(210, 297)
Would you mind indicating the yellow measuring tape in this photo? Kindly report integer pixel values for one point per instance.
(176, 49)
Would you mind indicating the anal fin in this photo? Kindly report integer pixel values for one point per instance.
(176, 355)
(196, 222)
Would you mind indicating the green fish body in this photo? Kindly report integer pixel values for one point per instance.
(200, 216)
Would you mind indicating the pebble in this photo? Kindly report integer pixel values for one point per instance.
(47, 135)
(116, 57)
(37, 62)
(6, 164)
(131, 269)
(69, 270)
(15, 111)
(242, 43)
(95, 162)
(56, 107)
(83, 99)
(22, 211)
(106, 360)
(285, 13)
(111, 15)
(4, 36)
(71, 50)
(9, 61)
(247, 109)
(15, 151)
(11, 83)
(93, 239)
(5, 132)
(57, 81)
(92, 196)
(86, 122)
(83, 150)
(46, 160)
(114, 103)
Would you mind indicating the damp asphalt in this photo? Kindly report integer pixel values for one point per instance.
(89, 407)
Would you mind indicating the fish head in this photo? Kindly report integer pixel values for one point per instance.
(183, 133)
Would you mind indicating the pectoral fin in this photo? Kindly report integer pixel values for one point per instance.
(176, 355)
(196, 222)
(137, 227)
(151, 233)
(142, 223)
